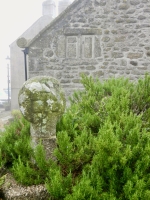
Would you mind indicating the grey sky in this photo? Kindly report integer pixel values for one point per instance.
(15, 17)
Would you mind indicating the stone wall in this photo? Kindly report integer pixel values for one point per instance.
(102, 38)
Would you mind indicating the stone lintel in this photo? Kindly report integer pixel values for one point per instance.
(82, 31)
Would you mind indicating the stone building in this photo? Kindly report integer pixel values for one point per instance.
(49, 12)
(102, 38)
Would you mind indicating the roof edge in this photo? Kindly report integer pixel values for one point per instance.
(32, 25)
(54, 21)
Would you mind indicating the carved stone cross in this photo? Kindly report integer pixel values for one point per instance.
(42, 102)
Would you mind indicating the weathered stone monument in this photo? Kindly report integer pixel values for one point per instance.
(42, 102)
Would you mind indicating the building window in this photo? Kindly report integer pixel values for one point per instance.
(72, 46)
(87, 46)
(82, 46)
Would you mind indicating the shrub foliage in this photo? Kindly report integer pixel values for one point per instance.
(103, 145)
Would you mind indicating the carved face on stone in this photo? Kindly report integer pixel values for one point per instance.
(41, 97)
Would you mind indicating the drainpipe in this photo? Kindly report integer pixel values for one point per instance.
(25, 51)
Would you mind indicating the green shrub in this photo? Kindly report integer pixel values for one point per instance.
(104, 140)
(15, 141)
(103, 145)
(33, 171)
(17, 155)
(57, 184)
(16, 114)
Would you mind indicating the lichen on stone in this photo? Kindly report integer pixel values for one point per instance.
(42, 102)
(41, 95)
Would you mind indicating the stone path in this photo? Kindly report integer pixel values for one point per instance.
(4, 118)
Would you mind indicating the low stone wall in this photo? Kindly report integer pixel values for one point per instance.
(11, 190)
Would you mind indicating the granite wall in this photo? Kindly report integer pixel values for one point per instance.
(102, 38)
